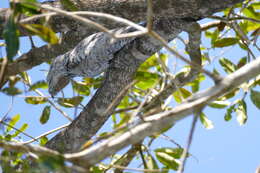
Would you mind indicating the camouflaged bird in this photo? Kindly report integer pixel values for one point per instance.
(88, 59)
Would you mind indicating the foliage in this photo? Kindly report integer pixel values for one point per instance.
(152, 77)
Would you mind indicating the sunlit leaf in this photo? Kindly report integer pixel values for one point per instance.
(212, 35)
(229, 94)
(250, 12)
(224, 42)
(150, 163)
(42, 31)
(81, 88)
(255, 98)
(169, 157)
(40, 84)
(195, 85)
(241, 111)
(35, 100)
(227, 65)
(181, 94)
(177, 96)
(24, 75)
(10, 35)
(70, 102)
(13, 80)
(12, 91)
(45, 114)
(146, 79)
(22, 129)
(87, 144)
(43, 140)
(173, 152)
(150, 62)
(13, 121)
(27, 7)
(208, 124)
(219, 104)
(255, 5)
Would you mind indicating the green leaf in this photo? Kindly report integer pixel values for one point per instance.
(255, 5)
(251, 13)
(181, 94)
(150, 163)
(13, 80)
(227, 65)
(24, 75)
(68, 5)
(22, 129)
(169, 157)
(150, 62)
(45, 114)
(34, 100)
(146, 79)
(177, 96)
(224, 42)
(43, 140)
(12, 91)
(81, 88)
(241, 111)
(229, 95)
(10, 34)
(242, 62)
(125, 117)
(195, 85)
(27, 7)
(208, 124)
(219, 104)
(255, 98)
(40, 84)
(13, 121)
(228, 115)
(173, 152)
(212, 35)
(42, 31)
(70, 102)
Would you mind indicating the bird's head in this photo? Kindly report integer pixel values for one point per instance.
(57, 77)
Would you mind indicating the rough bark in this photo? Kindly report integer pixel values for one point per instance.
(119, 75)
(172, 17)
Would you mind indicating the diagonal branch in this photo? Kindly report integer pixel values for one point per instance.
(120, 74)
(156, 123)
(150, 125)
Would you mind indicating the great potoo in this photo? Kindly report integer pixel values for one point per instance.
(88, 59)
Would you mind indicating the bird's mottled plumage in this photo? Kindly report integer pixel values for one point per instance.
(88, 59)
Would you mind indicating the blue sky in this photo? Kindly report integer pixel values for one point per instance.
(227, 147)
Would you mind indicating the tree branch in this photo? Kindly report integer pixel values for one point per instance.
(121, 72)
(153, 124)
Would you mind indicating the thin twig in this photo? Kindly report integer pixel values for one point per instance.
(149, 18)
(189, 141)
(46, 133)
(8, 125)
(173, 51)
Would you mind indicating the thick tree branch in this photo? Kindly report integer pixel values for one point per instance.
(156, 123)
(121, 72)
(149, 125)
(134, 10)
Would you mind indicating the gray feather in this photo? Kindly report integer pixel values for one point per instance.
(88, 59)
